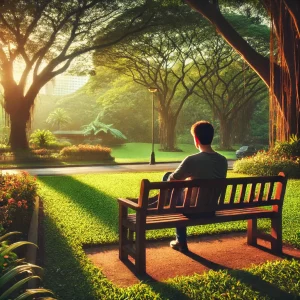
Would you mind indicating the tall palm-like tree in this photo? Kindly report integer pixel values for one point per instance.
(58, 118)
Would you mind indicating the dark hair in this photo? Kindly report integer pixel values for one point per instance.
(204, 132)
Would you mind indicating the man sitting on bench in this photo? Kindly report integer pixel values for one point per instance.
(206, 164)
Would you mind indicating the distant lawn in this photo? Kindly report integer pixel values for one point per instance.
(81, 210)
(126, 153)
(140, 152)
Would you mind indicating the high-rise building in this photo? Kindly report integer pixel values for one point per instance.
(64, 85)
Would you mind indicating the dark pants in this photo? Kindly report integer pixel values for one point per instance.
(180, 231)
(181, 235)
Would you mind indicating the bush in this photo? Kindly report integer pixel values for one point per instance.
(58, 145)
(268, 163)
(41, 152)
(17, 196)
(87, 152)
(289, 149)
(4, 148)
(41, 138)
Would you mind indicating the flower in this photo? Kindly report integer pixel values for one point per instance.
(11, 201)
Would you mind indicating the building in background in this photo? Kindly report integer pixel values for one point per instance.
(64, 85)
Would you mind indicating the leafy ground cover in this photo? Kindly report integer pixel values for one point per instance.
(82, 210)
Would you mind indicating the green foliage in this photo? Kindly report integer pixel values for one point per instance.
(42, 138)
(87, 152)
(6, 259)
(58, 118)
(56, 145)
(18, 193)
(96, 127)
(15, 274)
(4, 148)
(92, 200)
(268, 163)
(290, 149)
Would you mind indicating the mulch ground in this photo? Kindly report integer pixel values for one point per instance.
(226, 251)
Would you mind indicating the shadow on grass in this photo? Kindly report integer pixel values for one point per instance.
(165, 290)
(265, 288)
(64, 271)
(95, 202)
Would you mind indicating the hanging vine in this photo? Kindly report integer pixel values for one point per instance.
(284, 87)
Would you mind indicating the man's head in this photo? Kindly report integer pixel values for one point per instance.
(203, 132)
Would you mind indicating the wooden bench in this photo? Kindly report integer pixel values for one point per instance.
(232, 199)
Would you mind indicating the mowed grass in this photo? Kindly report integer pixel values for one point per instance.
(82, 210)
(140, 152)
(126, 153)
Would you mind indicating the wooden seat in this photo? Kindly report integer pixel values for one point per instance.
(193, 202)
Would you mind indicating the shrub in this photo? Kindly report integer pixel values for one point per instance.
(289, 149)
(41, 138)
(58, 145)
(41, 152)
(87, 152)
(4, 148)
(17, 196)
(268, 163)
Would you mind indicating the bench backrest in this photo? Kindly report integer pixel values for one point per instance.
(207, 195)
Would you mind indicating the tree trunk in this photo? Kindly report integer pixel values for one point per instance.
(225, 134)
(167, 132)
(282, 76)
(18, 133)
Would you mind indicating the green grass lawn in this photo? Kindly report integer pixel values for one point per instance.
(140, 152)
(126, 153)
(82, 210)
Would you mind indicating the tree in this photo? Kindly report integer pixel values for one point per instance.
(41, 38)
(280, 71)
(58, 118)
(167, 60)
(230, 91)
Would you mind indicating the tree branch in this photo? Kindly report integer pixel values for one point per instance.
(259, 63)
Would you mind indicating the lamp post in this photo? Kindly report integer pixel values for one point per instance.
(152, 157)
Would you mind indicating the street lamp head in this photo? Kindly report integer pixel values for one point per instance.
(152, 89)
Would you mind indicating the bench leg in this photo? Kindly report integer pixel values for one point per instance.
(252, 232)
(276, 233)
(140, 259)
(123, 234)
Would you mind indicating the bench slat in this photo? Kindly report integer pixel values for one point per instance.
(261, 192)
(173, 220)
(252, 193)
(242, 193)
(270, 191)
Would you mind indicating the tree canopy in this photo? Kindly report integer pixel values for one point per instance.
(280, 71)
(40, 39)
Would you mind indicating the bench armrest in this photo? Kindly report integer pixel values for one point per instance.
(128, 203)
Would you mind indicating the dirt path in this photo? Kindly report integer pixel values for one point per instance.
(227, 251)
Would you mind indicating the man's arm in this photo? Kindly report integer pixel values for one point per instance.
(182, 172)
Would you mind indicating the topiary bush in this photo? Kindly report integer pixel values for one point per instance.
(87, 152)
(268, 163)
